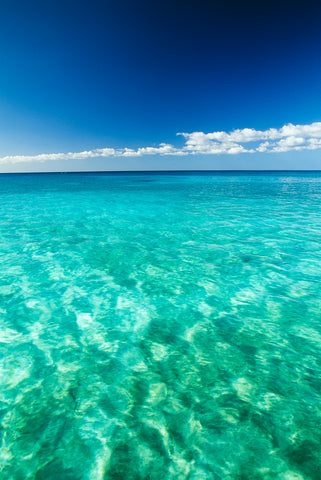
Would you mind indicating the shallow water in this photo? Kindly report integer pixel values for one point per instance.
(160, 326)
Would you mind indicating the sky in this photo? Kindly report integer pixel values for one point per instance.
(159, 85)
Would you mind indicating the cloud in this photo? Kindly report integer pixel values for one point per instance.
(287, 138)
(247, 140)
(162, 149)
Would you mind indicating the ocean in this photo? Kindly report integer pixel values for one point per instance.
(159, 326)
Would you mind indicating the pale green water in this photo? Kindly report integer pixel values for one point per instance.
(160, 327)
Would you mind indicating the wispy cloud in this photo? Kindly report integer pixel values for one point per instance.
(247, 140)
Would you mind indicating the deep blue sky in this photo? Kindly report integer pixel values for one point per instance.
(78, 75)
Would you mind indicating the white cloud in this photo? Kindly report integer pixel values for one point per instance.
(289, 137)
(247, 140)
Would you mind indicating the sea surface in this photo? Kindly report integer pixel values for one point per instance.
(160, 326)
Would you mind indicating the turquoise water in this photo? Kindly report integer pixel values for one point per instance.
(160, 326)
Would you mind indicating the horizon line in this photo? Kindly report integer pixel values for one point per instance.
(65, 172)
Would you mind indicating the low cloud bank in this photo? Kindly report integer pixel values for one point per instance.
(247, 140)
